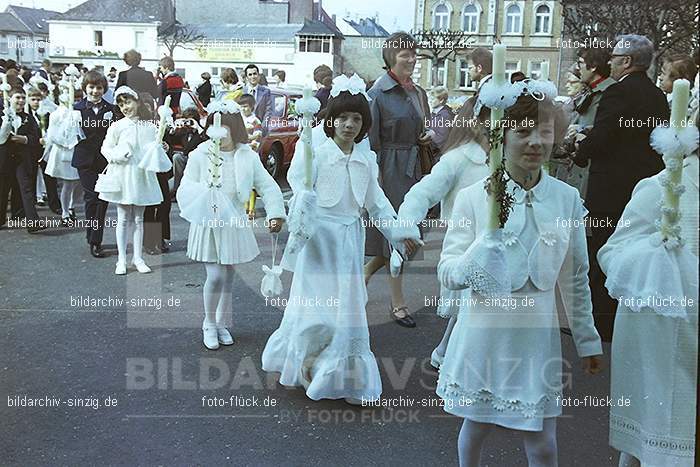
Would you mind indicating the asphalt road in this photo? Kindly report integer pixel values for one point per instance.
(133, 385)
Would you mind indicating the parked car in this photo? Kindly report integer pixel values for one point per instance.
(277, 146)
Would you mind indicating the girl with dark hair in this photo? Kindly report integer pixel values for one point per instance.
(216, 183)
(130, 141)
(323, 340)
(504, 355)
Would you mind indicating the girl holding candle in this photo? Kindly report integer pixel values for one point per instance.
(215, 186)
(500, 366)
(323, 340)
(130, 141)
(655, 341)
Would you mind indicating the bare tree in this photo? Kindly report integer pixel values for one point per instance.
(179, 35)
(670, 24)
(440, 45)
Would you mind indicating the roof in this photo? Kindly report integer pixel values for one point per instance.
(8, 23)
(229, 34)
(368, 27)
(34, 18)
(121, 11)
(317, 28)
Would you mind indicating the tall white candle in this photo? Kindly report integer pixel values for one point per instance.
(163, 119)
(306, 139)
(71, 92)
(5, 94)
(680, 98)
(495, 157)
(544, 71)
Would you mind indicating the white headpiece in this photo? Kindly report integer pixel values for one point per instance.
(354, 85)
(71, 70)
(125, 90)
(504, 96)
(36, 79)
(224, 106)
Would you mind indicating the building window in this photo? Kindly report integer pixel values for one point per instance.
(441, 17)
(98, 38)
(470, 19)
(4, 49)
(513, 19)
(511, 67)
(535, 70)
(314, 44)
(542, 19)
(138, 39)
(441, 74)
(463, 79)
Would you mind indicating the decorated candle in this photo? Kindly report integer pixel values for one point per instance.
(306, 138)
(544, 71)
(679, 106)
(164, 118)
(5, 91)
(495, 157)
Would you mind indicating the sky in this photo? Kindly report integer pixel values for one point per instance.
(393, 15)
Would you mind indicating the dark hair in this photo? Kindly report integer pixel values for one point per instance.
(234, 122)
(17, 90)
(251, 65)
(466, 132)
(681, 67)
(246, 99)
(323, 75)
(95, 78)
(34, 92)
(132, 57)
(42, 87)
(191, 112)
(483, 57)
(394, 44)
(167, 62)
(144, 110)
(517, 76)
(346, 102)
(281, 75)
(228, 75)
(597, 58)
(527, 107)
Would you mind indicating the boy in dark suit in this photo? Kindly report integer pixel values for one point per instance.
(96, 116)
(35, 96)
(17, 160)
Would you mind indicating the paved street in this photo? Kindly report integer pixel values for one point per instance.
(133, 385)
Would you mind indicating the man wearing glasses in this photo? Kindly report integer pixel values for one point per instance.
(619, 155)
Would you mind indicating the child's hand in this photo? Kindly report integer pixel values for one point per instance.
(592, 365)
(411, 246)
(166, 148)
(19, 139)
(276, 225)
(42, 141)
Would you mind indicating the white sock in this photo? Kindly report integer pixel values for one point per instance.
(123, 217)
(224, 306)
(138, 233)
(541, 446)
(213, 288)
(471, 440)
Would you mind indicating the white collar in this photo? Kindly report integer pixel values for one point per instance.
(538, 191)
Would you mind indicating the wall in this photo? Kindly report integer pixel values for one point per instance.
(238, 11)
(116, 37)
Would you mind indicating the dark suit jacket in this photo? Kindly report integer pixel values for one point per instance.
(263, 103)
(619, 151)
(87, 153)
(139, 80)
(14, 154)
(204, 92)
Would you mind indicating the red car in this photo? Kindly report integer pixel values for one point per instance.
(277, 146)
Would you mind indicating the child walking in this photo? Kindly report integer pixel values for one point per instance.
(129, 142)
(215, 185)
(323, 340)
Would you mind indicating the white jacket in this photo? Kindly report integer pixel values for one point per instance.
(457, 169)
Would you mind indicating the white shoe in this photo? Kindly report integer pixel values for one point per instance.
(141, 267)
(120, 270)
(353, 401)
(211, 339)
(224, 336)
(436, 359)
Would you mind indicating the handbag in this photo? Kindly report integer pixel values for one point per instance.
(426, 157)
(107, 182)
(271, 285)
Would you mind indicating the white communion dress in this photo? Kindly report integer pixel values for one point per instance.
(323, 340)
(62, 135)
(135, 139)
(503, 362)
(211, 197)
(456, 170)
(655, 344)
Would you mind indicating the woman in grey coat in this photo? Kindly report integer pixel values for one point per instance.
(398, 123)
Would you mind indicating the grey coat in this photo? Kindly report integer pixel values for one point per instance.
(397, 122)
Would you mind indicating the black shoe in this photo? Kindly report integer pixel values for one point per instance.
(407, 321)
(37, 228)
(71, 214)
(97, 251)
(66, 221)
(165, 246)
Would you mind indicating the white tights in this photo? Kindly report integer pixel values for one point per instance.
(128, 217)
(540, 446)
(69, 192)
(217, 293)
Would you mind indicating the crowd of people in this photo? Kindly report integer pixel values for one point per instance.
(383, 157)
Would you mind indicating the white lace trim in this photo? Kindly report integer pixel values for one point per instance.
(683, 447)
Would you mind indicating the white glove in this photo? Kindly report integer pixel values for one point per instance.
(483, 267)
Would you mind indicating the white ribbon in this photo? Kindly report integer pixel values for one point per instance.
(354, 85)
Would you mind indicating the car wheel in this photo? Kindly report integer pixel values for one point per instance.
(273, 161)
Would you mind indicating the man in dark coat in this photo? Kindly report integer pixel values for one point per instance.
(136, 77)
(620, 155)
